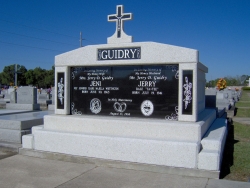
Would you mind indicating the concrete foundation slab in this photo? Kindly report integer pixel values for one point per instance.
(23, 171)
(112, 177)
(212, 183)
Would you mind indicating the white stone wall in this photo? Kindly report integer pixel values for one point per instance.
(201, 82)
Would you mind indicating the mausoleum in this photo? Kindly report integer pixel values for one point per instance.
(140, 103)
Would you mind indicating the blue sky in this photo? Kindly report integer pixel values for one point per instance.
(33, 32)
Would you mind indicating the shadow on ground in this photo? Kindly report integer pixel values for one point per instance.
(4, 153)
(228, 160)
(235, 111)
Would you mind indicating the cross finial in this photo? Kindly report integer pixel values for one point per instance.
(119, 17)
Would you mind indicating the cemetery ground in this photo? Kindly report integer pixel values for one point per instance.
(4, 153)
(236, 161)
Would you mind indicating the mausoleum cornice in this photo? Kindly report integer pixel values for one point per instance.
(149, 52)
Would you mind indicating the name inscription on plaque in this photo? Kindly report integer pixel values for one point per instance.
(119, 53)
(133, 91)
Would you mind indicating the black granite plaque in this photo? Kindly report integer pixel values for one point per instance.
(60, 90)
(127, 91)
(187, 95)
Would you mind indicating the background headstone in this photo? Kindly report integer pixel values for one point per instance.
(222, 100)
(43, 100)
(10, 90)
(210, 96)
(27, 95)
(53, 95)
(13, 97)
(43, 96)
(7, 97)
(230, 96)
(4, 92)
(26, 99)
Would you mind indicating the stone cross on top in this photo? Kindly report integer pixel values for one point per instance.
(119, 35)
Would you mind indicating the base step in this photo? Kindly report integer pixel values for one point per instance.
(120, 164)
(212, 146)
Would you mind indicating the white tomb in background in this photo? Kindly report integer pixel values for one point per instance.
(193, 140)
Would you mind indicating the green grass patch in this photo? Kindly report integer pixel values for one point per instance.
(246, 88)
(240, 170)
(242, 132)
(236, 160)
(243, 104)
(243, 112)
(245, 95)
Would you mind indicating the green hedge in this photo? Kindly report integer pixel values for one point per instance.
(245, 88)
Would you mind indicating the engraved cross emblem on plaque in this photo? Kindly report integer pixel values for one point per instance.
(119, 17)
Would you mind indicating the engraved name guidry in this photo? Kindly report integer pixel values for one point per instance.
(119, 53)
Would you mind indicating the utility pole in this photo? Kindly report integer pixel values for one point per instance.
(15, 74)
(81, 39)
(17, 67)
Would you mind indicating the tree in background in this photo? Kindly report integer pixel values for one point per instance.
(231, 81)
(211, 83)
(38, 77)
(7, 76)
(21, 81)
(50, 77)
(29, 76)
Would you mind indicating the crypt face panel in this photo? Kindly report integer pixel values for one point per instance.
(149, 91)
